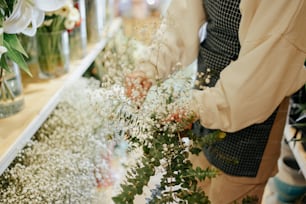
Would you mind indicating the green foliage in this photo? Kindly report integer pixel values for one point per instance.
(179, 180)
(15, 51)
(165, 151)
(56, 25)
(6, 7)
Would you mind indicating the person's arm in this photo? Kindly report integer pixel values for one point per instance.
(176, 41)
(269, 67)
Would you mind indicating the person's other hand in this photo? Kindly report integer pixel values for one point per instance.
(137, 85)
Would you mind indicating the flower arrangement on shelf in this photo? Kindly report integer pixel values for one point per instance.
(66, 17)
(53, 40)
(17, 16)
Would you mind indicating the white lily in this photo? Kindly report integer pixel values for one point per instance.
(49, 5)
(27, 15)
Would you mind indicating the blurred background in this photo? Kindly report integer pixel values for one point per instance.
(140, 17)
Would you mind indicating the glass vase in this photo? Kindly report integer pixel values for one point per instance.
(95, 19)
(78, 36)
(29, 44)
(53, 53)
(11, 91)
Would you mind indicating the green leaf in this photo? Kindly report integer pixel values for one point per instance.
(3, 63)
(14, 42)
(3, 5)
(10, 5)
(195, 150)
(17, 57)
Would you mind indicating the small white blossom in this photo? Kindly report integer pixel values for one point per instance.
(69, 24)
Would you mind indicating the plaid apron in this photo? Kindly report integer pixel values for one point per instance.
(240, 153)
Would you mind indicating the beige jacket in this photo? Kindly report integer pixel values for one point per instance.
(269, 67)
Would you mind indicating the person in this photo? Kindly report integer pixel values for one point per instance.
(249, 64)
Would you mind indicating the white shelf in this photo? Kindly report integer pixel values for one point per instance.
(40, 100)
(296, 147)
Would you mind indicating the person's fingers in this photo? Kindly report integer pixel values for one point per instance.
(146, 84)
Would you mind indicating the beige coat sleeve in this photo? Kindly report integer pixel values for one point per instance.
(269, 67)
(176, 41)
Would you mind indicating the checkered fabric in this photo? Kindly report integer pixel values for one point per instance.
(240, 153)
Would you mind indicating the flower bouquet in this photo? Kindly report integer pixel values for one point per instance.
(159, 145)
(53, 40)
(160, 136)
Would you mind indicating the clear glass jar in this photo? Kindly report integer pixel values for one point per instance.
(78, 36)
(53, 53)
(95, 19)
(11, 91)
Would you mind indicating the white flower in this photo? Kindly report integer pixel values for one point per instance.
(74, 15)
(25, 18)
(27, 15)
(49, 5)
(72, 18)
(69, 25)
(64, 10)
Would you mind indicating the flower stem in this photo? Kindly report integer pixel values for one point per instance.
(11, 95)
(1, 76)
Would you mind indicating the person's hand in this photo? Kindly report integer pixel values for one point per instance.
(137, 86)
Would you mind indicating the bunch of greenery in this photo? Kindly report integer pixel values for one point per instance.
(157, 140)
(161, 130)
(159, 133)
